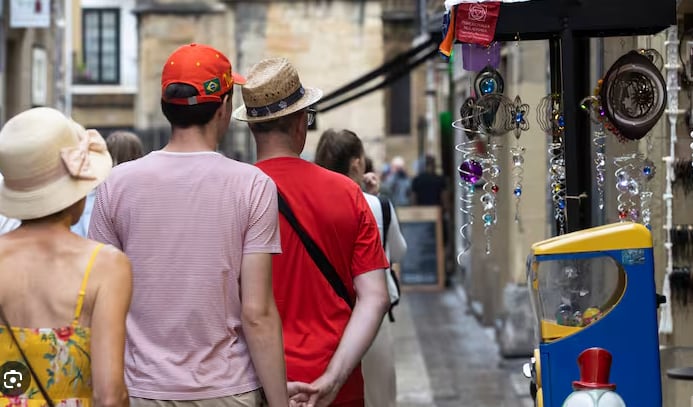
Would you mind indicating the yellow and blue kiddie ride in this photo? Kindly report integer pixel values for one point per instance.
(595, 288)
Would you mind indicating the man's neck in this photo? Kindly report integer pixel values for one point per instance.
(190, 140)
(274, 145)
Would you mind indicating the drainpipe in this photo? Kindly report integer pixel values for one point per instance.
(672, 68)
(430, 84)
(68, 57)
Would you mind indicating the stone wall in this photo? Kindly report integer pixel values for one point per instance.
(330, 43)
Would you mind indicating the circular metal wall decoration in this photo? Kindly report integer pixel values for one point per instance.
(497, 116)
(633, 95)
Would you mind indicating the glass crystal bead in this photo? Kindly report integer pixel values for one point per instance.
(488, 201)
(634, 214)
(471, 171)
(487, 86)
(518, 160)
(517, 191)
(495, 188)
(488, 219)
(561, 204)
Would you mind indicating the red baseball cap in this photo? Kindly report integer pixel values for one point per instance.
(204, 68)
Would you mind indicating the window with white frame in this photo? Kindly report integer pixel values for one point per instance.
(101, 46)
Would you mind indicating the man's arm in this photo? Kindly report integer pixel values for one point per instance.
(371, 305)
(101, 226)
(263, 327)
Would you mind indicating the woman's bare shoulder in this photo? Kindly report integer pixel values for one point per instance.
(112, 263)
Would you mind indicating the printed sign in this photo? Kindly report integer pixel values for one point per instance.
(39, 77)
(30, 13)
(476, 22)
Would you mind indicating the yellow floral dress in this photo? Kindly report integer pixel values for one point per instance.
(59, 356)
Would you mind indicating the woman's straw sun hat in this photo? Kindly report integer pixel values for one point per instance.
(48, 162)
(273, 90)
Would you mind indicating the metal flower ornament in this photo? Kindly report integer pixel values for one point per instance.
(518, 113)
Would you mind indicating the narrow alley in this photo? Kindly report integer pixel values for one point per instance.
(445, 358)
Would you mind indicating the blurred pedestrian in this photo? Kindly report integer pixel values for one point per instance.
(200, 230)
(8, 224)
(342, 151)
(64, 298)
(428, 188)
(328, 281)
(123, 146)
(397, 184)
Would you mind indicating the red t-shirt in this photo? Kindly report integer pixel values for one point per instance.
(332, 210)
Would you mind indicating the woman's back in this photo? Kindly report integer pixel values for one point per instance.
(64, 298)
(48, 294)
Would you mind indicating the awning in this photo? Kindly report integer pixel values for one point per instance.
(389, 72)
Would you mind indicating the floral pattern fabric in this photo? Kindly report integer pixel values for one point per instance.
(60, 357)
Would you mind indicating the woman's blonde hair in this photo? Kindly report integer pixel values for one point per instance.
(124, 146)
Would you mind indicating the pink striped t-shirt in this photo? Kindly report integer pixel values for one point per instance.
(185, 220)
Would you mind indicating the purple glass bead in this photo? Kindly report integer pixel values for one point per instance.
(471, 171)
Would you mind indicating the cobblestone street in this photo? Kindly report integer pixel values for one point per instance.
(445, 358)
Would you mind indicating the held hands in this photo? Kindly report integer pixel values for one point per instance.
(300, 393)
(325, 390)
(371, 183)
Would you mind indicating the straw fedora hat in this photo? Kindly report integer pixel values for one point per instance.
(48, 162)
(273, 90)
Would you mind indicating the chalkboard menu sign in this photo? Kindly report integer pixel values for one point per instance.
(423, 264)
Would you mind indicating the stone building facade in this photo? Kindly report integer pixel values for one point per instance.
(330, 42)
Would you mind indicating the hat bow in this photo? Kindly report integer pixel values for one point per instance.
(76, 158)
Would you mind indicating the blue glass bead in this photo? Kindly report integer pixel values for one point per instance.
(561, 204)
(487, 86)
(517, 191)
(647, 170)
(471, 188)
(561, 121)
(488, 219)
(519, 117)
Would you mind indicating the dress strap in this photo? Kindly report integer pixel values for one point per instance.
(83, 288)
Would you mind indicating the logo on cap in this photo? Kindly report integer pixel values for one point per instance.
(211, 86)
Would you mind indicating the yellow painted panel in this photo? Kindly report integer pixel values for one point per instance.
(617, 236)
(551, 331)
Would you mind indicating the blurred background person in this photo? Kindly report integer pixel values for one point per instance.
(342, 151)
(8, 224)
(50, 277)
(123, 146)
(428, 188)
(397, 184)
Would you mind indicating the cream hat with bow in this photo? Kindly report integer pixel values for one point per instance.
(49, 162)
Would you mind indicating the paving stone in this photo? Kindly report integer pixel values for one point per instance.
(445, 358)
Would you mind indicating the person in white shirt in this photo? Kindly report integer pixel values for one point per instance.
(8, 224)
(342, 151)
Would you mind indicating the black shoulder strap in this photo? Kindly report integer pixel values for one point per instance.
(385, 206)
(42, 389)
(315, 253)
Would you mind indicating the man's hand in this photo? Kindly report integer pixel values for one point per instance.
(299, 393)
(371, 183)
(327, 388)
